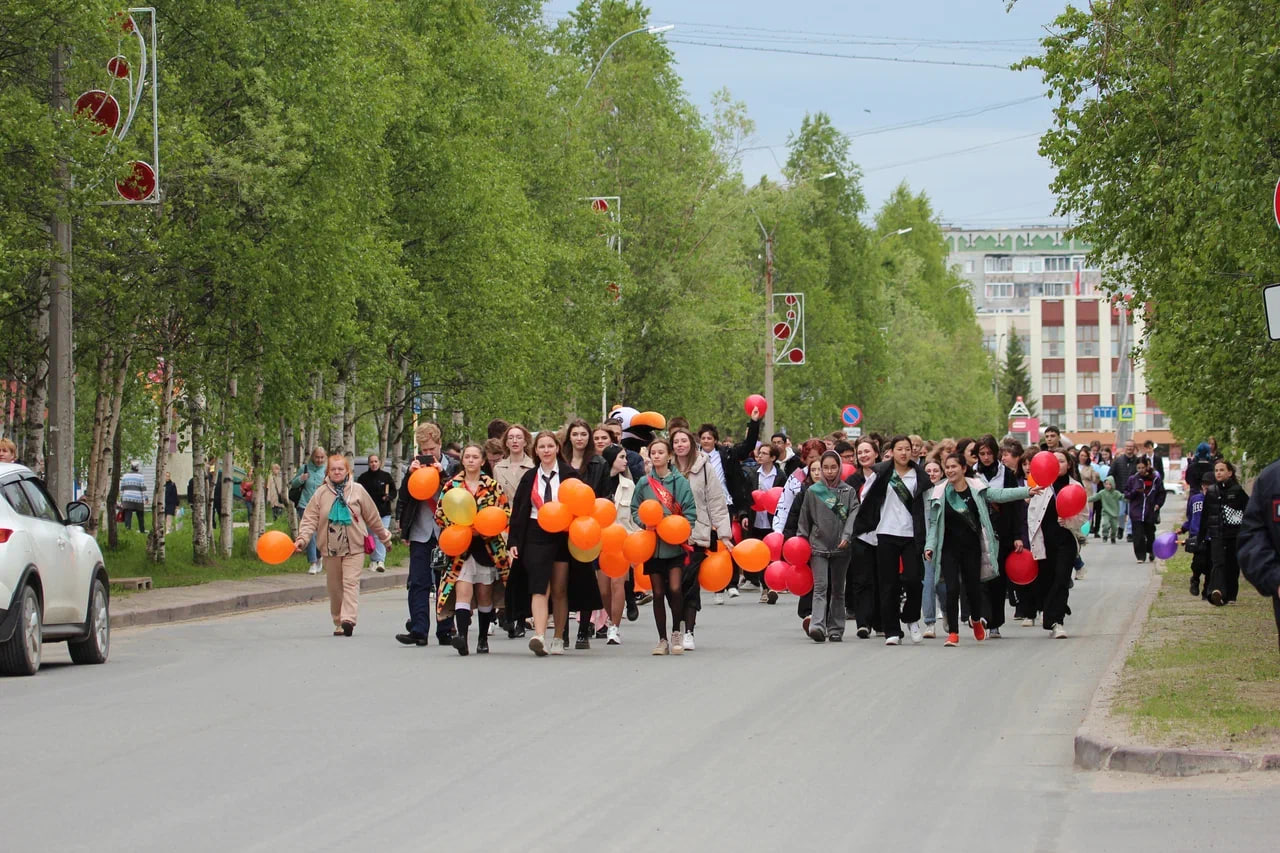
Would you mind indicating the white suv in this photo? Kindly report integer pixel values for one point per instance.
(53, 585)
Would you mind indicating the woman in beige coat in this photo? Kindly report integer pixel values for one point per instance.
(712, 517)
(341, 514)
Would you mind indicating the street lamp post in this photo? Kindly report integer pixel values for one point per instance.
(897, 233)
(646, 29)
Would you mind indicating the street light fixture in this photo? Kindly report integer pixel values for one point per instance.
(646, 29)
(897, 233)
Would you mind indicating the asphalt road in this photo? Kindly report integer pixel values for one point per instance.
(263, 732)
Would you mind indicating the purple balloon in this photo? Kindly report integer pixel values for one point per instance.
(1166, 545)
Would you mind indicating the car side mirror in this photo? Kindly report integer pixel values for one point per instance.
(77, 512)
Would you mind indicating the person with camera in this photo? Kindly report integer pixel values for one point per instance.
(418, 527)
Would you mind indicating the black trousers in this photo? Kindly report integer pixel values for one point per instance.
(861, 592)
(962, 563)
(1144, 539)
(1226, 571)
(1095, 520)
(1275, 605)
(1202, 567)
(1054, 581)
(889, 550)
(994, 592)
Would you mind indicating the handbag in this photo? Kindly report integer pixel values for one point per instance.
(370, 545)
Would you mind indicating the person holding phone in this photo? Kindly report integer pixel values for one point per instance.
(418, 527)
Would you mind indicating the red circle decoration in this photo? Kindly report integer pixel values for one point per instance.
(599, 205)
(118, 67)
(796, 356)
(100, 108)
(791, 300)
(791, 315)
(140, 185)
(781, 331)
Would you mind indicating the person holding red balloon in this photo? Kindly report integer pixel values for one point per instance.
(760, 524)
(893, 509)
(828, 509)
(963, 542)
(476, 577)
(665, 569)
(713, 524)
(1006, 520)
(1052, 519)
(341, 515)
(544, 553)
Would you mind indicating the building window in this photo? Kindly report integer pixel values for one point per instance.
(1024, 341)
(989, 343)
(1115, 343)
(1000, 291)
(1031, 265)
(1051, 383)
(1087, 341)
(1159, 420)
(1086, 419)
(1089, 383)
(998, 263)
(1054, 346)
(1056, 288)
(1051, 417)
(1057, 264)
(968, 266)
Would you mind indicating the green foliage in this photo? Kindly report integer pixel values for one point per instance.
(1015, 378)
(1167, 149)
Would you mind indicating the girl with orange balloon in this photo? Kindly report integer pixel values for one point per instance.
(713, 522)
(479, 569)
(341, 515)
(584, 590)
(659, 500)
(539, 539)
(613, 590)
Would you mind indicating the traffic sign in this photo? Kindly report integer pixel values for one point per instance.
(1271, 304)
(1126, 414)
(851, 415)
(1276, 203)
(1104, 411)
(852, 432)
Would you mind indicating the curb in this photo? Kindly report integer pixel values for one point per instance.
(239, 601)
(1094, 752)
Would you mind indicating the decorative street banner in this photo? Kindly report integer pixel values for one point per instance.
(788, 329)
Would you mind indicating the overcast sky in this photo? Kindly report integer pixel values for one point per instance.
(1002, 182)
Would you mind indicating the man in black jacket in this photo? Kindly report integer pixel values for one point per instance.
(737, 490)
(1123, 467)
(418, 528)
(1258, 548)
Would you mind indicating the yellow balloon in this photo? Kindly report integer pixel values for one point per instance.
(585, 555)
(459, 506)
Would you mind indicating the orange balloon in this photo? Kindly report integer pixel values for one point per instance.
(584, 532)
(642, 580)
(1031, 481)
(578, 497)
(674, 529)
(455, 539)
(274, 547)
(424, 483)
(715, 572)
(752, 555)
(639, 546)
(650, 513)
(490, 521)
(613, 564)
(554, 517)
(612, 537)
(605, 512)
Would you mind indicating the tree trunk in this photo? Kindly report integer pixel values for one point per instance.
(164, 428)
(227, 534)
(31, 452)
(384, 422)
(113, 494)
(313, 416)
(349, 419)
(398, 424)
(258, 512)
(103, 463)
(199, 483)
(338, 417)
(289, 467)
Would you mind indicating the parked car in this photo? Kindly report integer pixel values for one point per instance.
(53, 584)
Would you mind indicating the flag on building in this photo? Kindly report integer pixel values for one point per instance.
(1077, 282)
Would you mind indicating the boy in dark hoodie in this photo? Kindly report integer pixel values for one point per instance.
(1197, 541)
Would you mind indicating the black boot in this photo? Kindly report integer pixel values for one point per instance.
(482, 640)
(584, 632)
(463, 620)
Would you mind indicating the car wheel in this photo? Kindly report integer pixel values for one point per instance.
(95, 647)
(21, 654)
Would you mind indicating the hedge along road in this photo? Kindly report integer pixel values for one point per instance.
(263, 732)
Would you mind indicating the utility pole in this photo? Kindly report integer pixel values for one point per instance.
(59, 467)
(768, 331)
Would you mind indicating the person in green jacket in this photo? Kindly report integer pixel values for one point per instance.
(665, 568)
(1109, 496)
(962, 542)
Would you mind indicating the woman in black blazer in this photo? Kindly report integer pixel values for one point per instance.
(544, 556)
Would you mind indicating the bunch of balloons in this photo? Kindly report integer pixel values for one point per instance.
(465, 519)
(785, 563)
(766, 500)
(592, 526)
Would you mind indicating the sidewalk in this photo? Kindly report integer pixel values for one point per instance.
(219, 598)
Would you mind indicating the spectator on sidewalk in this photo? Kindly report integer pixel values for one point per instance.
(133, 497)
(309, 477)
(276, 491)
(170, 502)
(382, 489)
(8, 450)
(1224, 506)
(1122, 468)
(1259, 538)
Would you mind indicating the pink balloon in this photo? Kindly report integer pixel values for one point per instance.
(774, 541)
(800, 581)
(1071, 500)
(776, 575)
(796, 551)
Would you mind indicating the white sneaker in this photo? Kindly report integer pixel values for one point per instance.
(916, 636)
(687, 641)
(893, 641)
(557, 646)
(930, 632)
(1080, 574)
(613, 639)
(314, 569)
(733, 592)
(1028, 623)
(719, 598)
(1059, 633)
(677, 643)
(380, 567)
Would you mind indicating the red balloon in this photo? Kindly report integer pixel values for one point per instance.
(796, 551)
(770, 499)
(737, 531)
(757, 500)
(847, 470)
(774, 541)
(776, 575)
(1071, 500)
(755, 401)
(800, 581)
(1021, 567)
(1044, 467)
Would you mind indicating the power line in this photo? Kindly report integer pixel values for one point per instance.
(950, 153)
(842, 55)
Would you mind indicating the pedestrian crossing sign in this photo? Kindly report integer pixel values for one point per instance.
(1126, 414)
